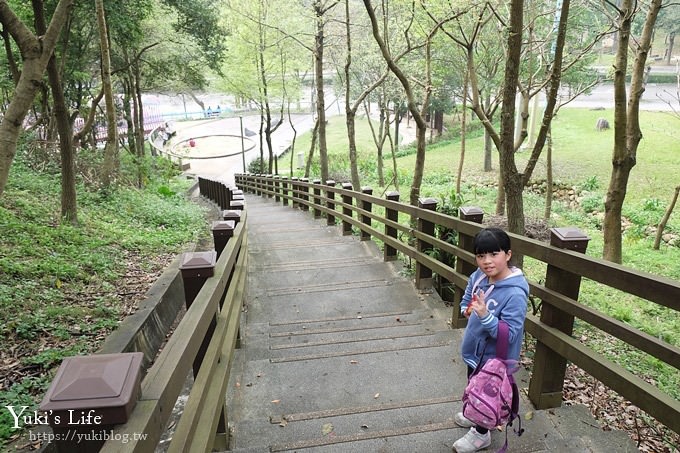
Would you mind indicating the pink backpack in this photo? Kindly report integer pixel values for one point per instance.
(491, 398)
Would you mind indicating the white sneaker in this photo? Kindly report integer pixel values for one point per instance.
(462, 421)
(472, 441)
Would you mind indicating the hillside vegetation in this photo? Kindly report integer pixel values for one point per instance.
(63, 289)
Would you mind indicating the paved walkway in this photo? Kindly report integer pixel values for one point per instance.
(341, 354)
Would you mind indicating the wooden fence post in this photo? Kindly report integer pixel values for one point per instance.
(294, 190)
(270, 186)
(317, 199)
(196, 268)
(277, 188)
(465, 242)
(390, 253)
(366, 220)
(305, 196)
(284, 190)
(330, 219)
(547, 376)
(423, 273)
(346, 226)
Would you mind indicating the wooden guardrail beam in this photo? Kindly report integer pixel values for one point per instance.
(166, 377)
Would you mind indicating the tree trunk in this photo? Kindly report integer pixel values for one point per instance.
(397, 122)
(379, 138)
(350, 114)
(89, 121)
(463, 132)
(36, 54)
(671, 43)
(627, 133)
(395, 172)
(383, 126)
(291, 148)
(264, 90)
(139, 108)
(512, 179)
(549, 177)
(111, 147)
(308, 164)
(9, 52)
(128, 112)
(488, 143)
(664, 220)
(320, 102)
(262, 121)
(69, 210)
(351, 136)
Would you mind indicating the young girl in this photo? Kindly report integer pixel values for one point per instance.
(496, 290)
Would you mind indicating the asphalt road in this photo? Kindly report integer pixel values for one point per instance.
(657, 97)
(221, 137)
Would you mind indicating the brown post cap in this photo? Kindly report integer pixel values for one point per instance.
(223, 228)
(367, 190)
(317, 181)
(427, 203)
(347, 185)
(231, 215)
(237, 204)
(392, 195)
(97, 389)
(330, 182)
(570, 238)
(198, 264)
(471, 213)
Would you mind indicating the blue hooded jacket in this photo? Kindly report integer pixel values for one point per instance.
(505, 299)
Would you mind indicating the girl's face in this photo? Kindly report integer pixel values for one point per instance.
(494, 264)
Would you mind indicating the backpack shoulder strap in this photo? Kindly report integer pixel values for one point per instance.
(502, 340)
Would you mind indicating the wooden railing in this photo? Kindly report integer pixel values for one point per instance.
(206, 336)
(565, 264)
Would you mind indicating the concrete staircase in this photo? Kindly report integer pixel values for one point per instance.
(340, 353)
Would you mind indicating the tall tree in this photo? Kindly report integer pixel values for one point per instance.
(69, 209)
(407, 84)
(263, 64)
(351, 108)
(111, 147)
(669, 22)
(321, 8)
(512, 179)
(507, 141)
(36, 53)
(627, 133)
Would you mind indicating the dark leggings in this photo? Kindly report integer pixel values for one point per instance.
(479, 429)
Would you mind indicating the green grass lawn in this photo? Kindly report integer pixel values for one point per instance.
(581, 157)
(580, 153)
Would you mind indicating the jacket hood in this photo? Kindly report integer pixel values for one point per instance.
(515, 279)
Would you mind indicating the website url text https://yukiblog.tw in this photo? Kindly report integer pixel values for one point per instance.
(73, 435)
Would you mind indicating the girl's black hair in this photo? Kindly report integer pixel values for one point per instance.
(491, 240)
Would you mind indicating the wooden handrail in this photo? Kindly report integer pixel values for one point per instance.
(660, 290)
(166, 378)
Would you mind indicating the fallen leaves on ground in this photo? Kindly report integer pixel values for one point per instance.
(326, 429)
